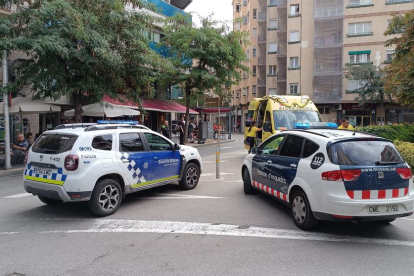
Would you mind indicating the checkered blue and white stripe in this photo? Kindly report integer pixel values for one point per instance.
(58, 176)
(133, 168)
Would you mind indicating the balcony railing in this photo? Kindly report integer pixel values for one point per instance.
(168, 9)
(261, 82)
(282, 26)
(261, 38)
(261, 61)
(262, 17)
(329, 12)
(328, 40)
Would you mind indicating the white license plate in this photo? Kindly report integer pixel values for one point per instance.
(383, 209)
(42, 171)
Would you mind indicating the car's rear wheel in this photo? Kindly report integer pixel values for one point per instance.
(106, 198)
(190, 178)
(49, 201)
(247, 183)
(301, 211)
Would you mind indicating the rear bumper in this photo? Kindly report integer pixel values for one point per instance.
(53, 191)
(329, 217)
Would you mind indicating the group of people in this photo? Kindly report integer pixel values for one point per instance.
(192, 130)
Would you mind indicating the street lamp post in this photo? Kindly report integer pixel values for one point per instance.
(6, 115)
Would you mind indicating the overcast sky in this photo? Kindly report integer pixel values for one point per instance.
(222, 9)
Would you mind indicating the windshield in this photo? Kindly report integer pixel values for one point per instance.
(287, 119)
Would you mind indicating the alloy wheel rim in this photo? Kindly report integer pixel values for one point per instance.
(299, 209)
(191, 176)
(109, 198)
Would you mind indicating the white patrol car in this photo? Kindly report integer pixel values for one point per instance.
(102, 163)
(327, 174)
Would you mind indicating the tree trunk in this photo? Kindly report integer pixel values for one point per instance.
(78, 107)
(187, 111)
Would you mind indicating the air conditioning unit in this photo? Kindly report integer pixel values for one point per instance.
(337, 107)
(318, 66)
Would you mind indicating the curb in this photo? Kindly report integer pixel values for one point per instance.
(209, 144)
(12, 172)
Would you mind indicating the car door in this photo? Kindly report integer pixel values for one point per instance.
(135, 159)
(166, 161)
(267, 129)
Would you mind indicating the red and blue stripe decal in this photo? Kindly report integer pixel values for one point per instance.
(270, 191)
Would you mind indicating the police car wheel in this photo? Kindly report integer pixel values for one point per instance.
(247, 183)
(106, 198)
(190, 177)
(49, 201)
(301, 211)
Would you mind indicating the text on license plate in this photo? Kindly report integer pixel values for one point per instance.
(42, 171)
(381, 209)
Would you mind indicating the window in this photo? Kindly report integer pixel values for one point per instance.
(359, 58)
(247, 91)
(355, 85)
(271, 146)
(245, 2)
(273, 24)
(272, 70)
(267, 125)
(292, 147)
(310, 148)
(390, 54)
(294, 10)
(255, 33)
(356, 3)
(131, 142)
(238, 94)
(237, 7)
(245, 19)
(103, 142)
(323, 110)
(156, 142)
(254, 70)
(294, 62)
(273, 3)
(254, 89)
(273, 47)
(254, 13)
(294, 36)
(244, 91)
(272, 91)
(244, 75)
(360, 28)
(254, 52)
(293, 88)
(54, 143)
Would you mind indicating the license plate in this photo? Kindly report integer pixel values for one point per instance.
(42, 171)
(383, 209)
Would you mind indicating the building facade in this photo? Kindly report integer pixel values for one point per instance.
(300, 47)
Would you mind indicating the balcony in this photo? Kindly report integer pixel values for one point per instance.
(262, 17)
(261, 38)
(328, 40)
(172, 9)
(282, 27)
(261, 82)
(329, 12)
(261, 61)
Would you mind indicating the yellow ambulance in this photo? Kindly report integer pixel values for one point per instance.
(275, 113)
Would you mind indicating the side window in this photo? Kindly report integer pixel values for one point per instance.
(292, 147)
(267, 126)
(130, 142)
(272, 146)
(156, 142)
(310, 148)
(103, 142)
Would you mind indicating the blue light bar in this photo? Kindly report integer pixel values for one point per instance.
(315, 125)
(301, 126)
(104, 122)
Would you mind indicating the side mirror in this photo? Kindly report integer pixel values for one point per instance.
(177, 147)
(254, 151)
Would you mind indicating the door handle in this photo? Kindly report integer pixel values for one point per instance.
(125, 161)
(293, 165)
(269, 162)
(156, 159)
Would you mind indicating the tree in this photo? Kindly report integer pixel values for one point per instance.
(85, 49)
(399, 75)
(206, 58)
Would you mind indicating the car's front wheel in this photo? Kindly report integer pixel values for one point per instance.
(106, 198)
(49, 201)
(190, 177)
(247, 183)
(301, 211)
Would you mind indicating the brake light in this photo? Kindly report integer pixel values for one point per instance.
(405, 173)
(342, 175)
(71, 162)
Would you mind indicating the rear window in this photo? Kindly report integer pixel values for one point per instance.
(364, 153)
(54, 143)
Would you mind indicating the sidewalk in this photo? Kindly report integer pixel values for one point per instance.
(209, 142)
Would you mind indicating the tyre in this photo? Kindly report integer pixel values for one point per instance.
(247, 183)
(190, 178)
(49, 201)
(106, 198)
(302, 212)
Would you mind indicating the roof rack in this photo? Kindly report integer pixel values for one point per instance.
(114, 126)
(307, 131)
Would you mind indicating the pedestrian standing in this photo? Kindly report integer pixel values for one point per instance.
(165, 130)
(346, 125)
(181, 127)
(251, 135)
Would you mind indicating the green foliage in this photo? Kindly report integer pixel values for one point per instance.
(399, 75)
(371, 81)
(86, 49)
(407, 151)
(403, 133)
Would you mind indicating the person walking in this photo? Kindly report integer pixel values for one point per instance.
(181, 127)
(251, 134)
(346, 125)
(165, 130)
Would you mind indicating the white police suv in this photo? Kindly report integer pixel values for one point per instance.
(101, 163)
(327, 174)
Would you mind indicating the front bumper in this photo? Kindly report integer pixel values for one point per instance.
(54, 191)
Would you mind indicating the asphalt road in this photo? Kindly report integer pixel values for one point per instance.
(214, 229)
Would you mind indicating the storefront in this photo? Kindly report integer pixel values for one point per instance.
(358, 115)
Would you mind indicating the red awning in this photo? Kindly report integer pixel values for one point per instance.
(151, 105)
(214, 110)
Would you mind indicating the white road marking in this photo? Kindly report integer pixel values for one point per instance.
(178, 196)
(19, 195)
(195, 228)
(208, 162)
(213, 174)
(407, 219)
(8, 233)
(226, 148)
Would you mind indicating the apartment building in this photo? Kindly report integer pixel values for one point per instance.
(300, 47)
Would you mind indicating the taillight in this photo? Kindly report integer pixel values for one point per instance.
(405, 173)
(342, 175)
(71, 162)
